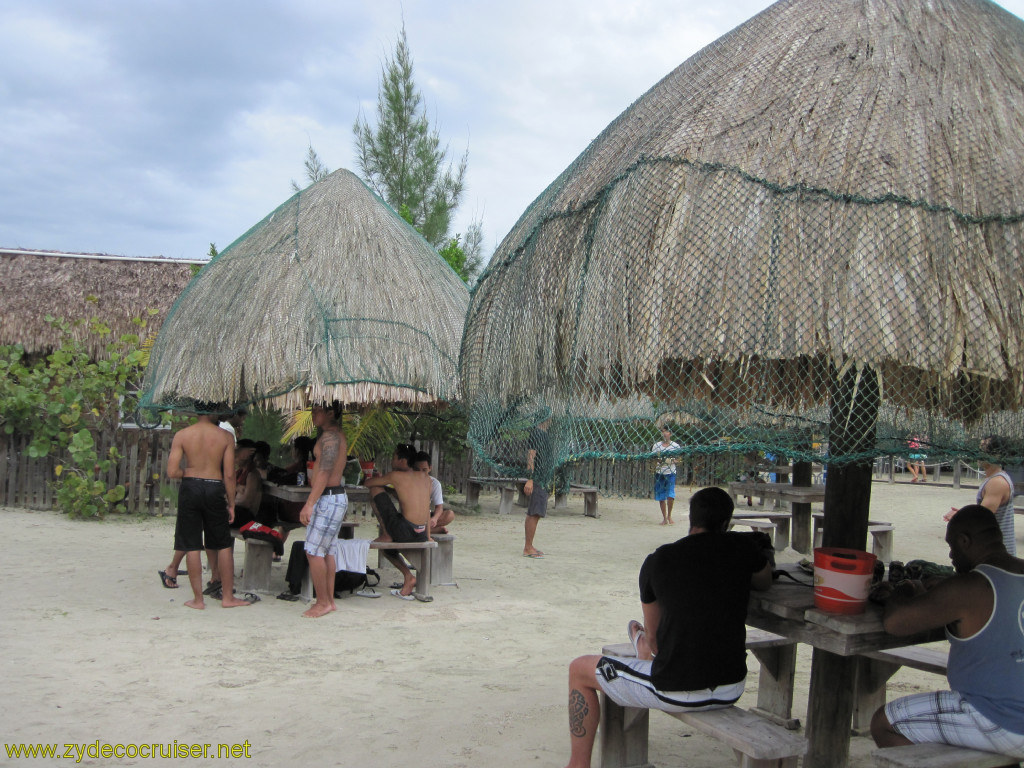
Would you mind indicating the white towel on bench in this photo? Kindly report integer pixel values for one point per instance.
(351, 554)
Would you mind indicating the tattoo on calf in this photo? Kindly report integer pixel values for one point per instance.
(578, 710)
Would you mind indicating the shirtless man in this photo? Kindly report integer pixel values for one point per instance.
(413, 491)
(440, 515)
(325, 508)
(206, 503)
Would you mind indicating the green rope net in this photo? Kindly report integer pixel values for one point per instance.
(806, 242)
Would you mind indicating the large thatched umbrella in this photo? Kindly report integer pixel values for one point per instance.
(816, 221)
(332, 297)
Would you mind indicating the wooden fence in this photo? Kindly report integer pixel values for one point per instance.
(26, 482)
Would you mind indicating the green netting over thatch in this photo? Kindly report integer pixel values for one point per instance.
(332, 297)
(806, 238)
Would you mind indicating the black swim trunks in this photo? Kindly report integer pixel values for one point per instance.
(202, 516)
(398, 528)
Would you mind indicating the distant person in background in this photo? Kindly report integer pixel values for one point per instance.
(918, 471)
(248, 484)
(262, 458)
(665, 475)
(996, 491)
(440, 515)
(539, 463)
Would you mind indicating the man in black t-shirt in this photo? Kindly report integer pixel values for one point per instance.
(691, 654)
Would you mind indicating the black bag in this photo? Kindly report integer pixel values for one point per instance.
(298, 565)
(763, 542)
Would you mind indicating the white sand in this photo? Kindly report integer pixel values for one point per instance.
(96, 649)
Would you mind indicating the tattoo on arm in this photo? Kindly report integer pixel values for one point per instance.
(578, 710)
(329, 451)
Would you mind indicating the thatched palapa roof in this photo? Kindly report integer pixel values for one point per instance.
(74, 286)
(331, 297)
(833, 182)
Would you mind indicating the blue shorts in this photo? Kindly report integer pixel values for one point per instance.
(664, 487)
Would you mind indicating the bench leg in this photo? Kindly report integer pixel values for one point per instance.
(561, 500)
(590, 504)
(775, 684)
(801, 527)
(472, 495)
(781, 533)
(869, 691)
(882, 545)
(507, 496)
(441, 565)
(256, 570)
(623, 735)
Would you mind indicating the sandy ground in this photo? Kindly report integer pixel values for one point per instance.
(95, 649)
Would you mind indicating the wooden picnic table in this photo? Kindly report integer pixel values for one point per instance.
(800, 499)
(357, 493)
(838, 641)
(509, 487)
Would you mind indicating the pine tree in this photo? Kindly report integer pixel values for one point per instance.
(402, 158)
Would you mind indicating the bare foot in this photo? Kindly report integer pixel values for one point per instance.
(671, 521)
(442, 529)
(197, 604)
(316, 611)
(408, 586)
(233, 602)
(663, 522)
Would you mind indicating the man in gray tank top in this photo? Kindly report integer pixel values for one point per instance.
(982, 609)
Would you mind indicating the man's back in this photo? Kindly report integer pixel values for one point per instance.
(702, 586)
(413, 489)
(203, 445)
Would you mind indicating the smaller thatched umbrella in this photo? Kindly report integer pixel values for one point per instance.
(332, 297)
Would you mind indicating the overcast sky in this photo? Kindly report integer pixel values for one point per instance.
(155, 127)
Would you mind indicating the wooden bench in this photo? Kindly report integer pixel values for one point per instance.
(938, 756)
(794, 494)
(506, 487)
(775, 524)
(418, 553)
(259, 556)
(874, 668)
(513, 493)
(882, 536)
(589, 494)
(759, 736)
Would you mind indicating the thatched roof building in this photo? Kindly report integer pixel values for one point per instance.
(73, 286)
(333, 296)
(833, 183)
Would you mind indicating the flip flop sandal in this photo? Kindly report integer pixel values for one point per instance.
(368, 592)
(635, 631)
(398, 593)
(169, 582)
(251, 597)
(211, 587)
(289, 597)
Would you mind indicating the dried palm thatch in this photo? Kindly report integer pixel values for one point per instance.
(834, 187)
(332, 297)
(113, 289)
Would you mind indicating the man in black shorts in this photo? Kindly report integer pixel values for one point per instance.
(411, 523)
(692, 653)
(203, 456)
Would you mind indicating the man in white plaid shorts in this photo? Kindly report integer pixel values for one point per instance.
(325, 508)
(982, 609)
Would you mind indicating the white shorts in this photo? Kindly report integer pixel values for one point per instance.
(627, 682)
(944, 717)
(322, 531)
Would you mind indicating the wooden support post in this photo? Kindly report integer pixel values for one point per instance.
(828, 723)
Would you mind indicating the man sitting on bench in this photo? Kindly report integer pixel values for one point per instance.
(981, 608)
(440, 515)
(413, 491)
(691, 655)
